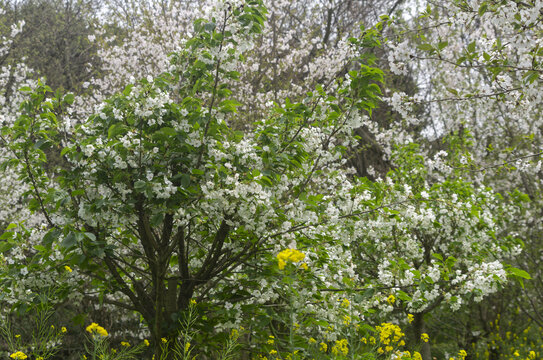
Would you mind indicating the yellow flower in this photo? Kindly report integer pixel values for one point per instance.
(410, 318)
(417, 355)
(146, 342)
(273, 352)
(380, 350)
(125, 343)
(304, 266)
(271, 340)
(323, 347)
(85, 357)
(346, 319)
(363, 340)
(16, 337)
(341, 347)
(187, 346)
(462, 354)
(164, 341)
(18, 355)
(424, 337)
(531, 355)
(391, 299)
(291, 255)
(39, 358)
(193, 302)
(94, 328)
(234, 334)
(389, 348)
(516, 353)
(345, 303)
(63, 330)
(53, 327)
(67, 268)
(113, 351)
(312, 341)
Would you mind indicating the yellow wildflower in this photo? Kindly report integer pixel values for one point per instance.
(304, 266)
(291, 255)
(63, 329)
(18, 355)
(417, 355)
(341, 347)
(380, 350)
(164, 341)
(345, 303)
(273, 352)
(323, 347)
(391, 299)
(94, 328)
(187, 346)
(346, 319)
(234, 334)
(146, 342)
(193, 302)
(67, 268)
(424, 337)
(462, 354)
(17, 336)
(125, 343)
(312, 341)
(410, 318)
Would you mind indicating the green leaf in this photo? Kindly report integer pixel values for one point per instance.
(139, 185)
(471, 47)
(425, 47)
(519, 273)
(69, 99)
(483, 8)
(69, 241)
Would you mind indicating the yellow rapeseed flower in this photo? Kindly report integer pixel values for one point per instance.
(18, 355)
(291, 255)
